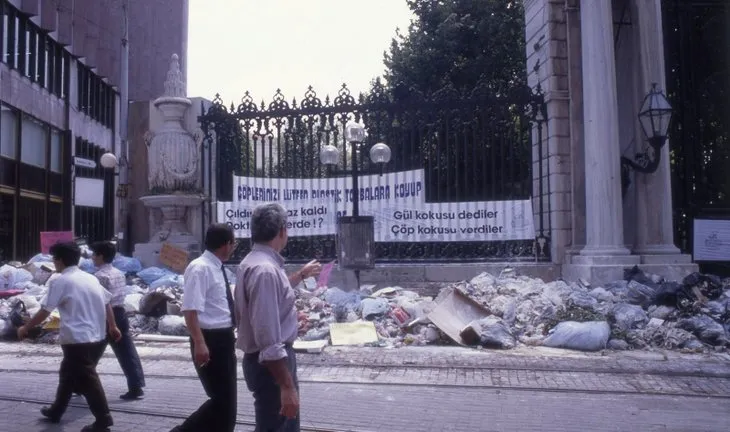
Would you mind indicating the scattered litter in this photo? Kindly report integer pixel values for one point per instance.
(582, 336)
(171, 325)
(353, 333)
(495, 311)
(490, 332)
(312, 347)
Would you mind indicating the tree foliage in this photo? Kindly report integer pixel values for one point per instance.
(467, 59)
(457, 42)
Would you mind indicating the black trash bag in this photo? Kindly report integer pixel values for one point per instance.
(490, 332)
(627, 317)
(639, 294)
(18, 317)
(638, 275)
(666, 294)
(705, 328)
(710, 286)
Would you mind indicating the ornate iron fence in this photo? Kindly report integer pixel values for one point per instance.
(472, 146)
(698, 67)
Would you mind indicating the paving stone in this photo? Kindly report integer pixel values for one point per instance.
(404, 408)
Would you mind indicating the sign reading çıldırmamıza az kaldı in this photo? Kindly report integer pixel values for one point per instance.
(396, 200)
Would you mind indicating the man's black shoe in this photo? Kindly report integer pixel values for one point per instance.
(133, 394)
(99, 425)
(49, 416)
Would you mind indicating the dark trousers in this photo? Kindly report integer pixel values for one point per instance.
(78, 375)
(266, 393)
(126, 352)
(217, 414)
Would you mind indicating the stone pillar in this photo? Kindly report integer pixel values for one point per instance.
(655, 235)
(575, 83)
(604, 218)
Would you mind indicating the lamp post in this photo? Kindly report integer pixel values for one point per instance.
(355, 234)
(356, 135)
(655, 117)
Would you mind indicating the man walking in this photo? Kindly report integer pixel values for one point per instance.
(85, 314)
(268, 322)
(114, 281)
(208, 309)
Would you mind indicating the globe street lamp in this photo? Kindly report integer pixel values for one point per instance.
(355, 234)
(108, 161)
(356, 135)
(655, 117)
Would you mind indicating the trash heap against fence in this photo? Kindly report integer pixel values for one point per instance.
(496, 311)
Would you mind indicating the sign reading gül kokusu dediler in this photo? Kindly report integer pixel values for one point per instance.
(396, 200)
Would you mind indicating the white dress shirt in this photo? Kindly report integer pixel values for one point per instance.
(205, 292)
(81, 301)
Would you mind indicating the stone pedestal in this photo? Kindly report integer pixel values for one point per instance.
(168, 222)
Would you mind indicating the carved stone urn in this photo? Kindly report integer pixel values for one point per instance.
(174, 161)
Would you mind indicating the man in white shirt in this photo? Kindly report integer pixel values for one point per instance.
(207, 306)
(115, 282)
(85, 315)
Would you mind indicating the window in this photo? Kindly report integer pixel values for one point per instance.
(33, 143)
(8, 133)
(32, 52)
(96, 98)
(56, 152)
(4, 34)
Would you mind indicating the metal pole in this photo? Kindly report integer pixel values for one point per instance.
(355, 186)
(124, 105)
(355, 196)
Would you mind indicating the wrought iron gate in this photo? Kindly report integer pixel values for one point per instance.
(698, 71)
(472, 146)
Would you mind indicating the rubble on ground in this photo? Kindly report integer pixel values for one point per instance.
(642, 311)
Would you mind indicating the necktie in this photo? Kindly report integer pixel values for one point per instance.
(229, 297)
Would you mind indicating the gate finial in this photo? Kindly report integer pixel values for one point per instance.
(174, 84)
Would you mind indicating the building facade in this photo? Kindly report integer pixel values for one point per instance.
(60, 76)
(599, 60)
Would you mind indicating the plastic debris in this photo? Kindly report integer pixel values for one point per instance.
(641, 311)
(582, 336)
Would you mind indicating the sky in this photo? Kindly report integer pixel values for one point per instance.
(264, 45)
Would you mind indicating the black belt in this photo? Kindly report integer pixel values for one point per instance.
(218, 330)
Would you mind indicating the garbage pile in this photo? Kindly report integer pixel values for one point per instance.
(504, 311)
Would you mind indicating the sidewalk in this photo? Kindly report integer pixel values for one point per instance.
(522, 358)
(361, 407)
(538, 380)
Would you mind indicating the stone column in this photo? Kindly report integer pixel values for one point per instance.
(655, 235)
(604, 218)
(575, 83)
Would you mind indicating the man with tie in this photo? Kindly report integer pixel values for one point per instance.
(207, 306)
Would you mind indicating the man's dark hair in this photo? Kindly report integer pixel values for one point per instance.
(68, 253)
(105, 249)
(217, 236)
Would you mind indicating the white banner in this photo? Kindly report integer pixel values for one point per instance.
(396, 200)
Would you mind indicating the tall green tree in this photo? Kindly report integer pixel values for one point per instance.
(466, 59)
(457, 42)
